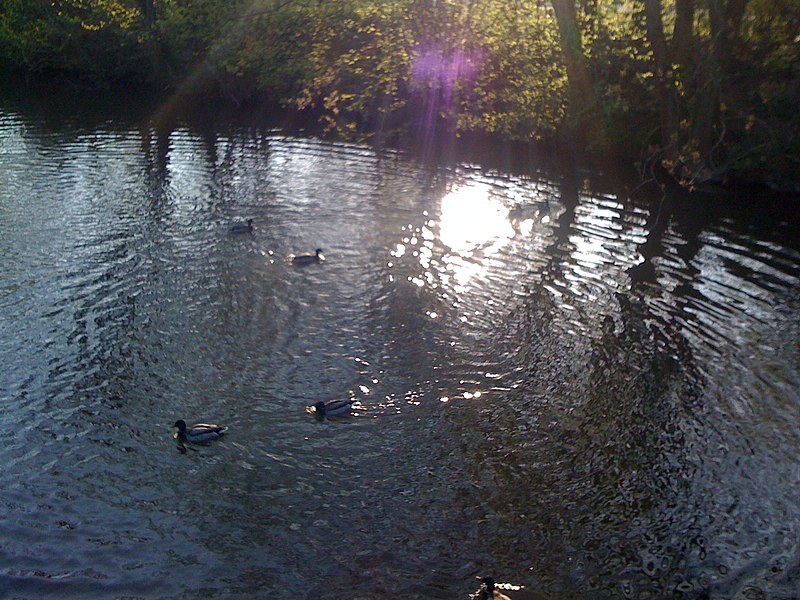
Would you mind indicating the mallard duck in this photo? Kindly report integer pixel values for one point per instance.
(307, 258)
(332, 408)
(487, 591)
(243, 227)
(201, 432)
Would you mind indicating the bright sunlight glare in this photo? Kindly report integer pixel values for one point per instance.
(471, 218)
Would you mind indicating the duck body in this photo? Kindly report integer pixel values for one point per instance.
(198, 433)
(332, 408)
(487, 591)
(243, 227)
(307, 258)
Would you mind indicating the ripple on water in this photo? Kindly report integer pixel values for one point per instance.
(572, 389)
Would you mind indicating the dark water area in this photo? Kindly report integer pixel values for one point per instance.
(581, 388)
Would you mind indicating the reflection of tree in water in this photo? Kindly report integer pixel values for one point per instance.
(631, 451)
(605, 463)
(585, 468)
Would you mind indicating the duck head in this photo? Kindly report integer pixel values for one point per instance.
(181, 425)
(488, 582)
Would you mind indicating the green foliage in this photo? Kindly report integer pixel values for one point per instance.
(475, 65)
(96, 39)
(622, 68)
(763, 90)
(521, 89)
(267, 48)
(359, 63)
(24, 39)
(755, 80)
(186, 33)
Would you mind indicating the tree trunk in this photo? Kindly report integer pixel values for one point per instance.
(725, 19)
(583, 103)
(734, 14)
(571, 47)
(683, 37)
(655, 35)
(148, 12)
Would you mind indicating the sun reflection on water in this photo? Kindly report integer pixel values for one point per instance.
(471, 220)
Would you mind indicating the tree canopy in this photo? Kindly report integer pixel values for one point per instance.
(706, 89)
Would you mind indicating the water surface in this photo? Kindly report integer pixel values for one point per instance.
(582, 390)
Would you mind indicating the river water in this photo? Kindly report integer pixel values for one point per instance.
(583, 390)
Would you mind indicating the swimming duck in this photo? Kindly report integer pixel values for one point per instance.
(332, 408)
(307, 258)
(243, 227)
(487, 591)
(202, 432)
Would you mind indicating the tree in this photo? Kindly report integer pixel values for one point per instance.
(588, 125)
(682, 48)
